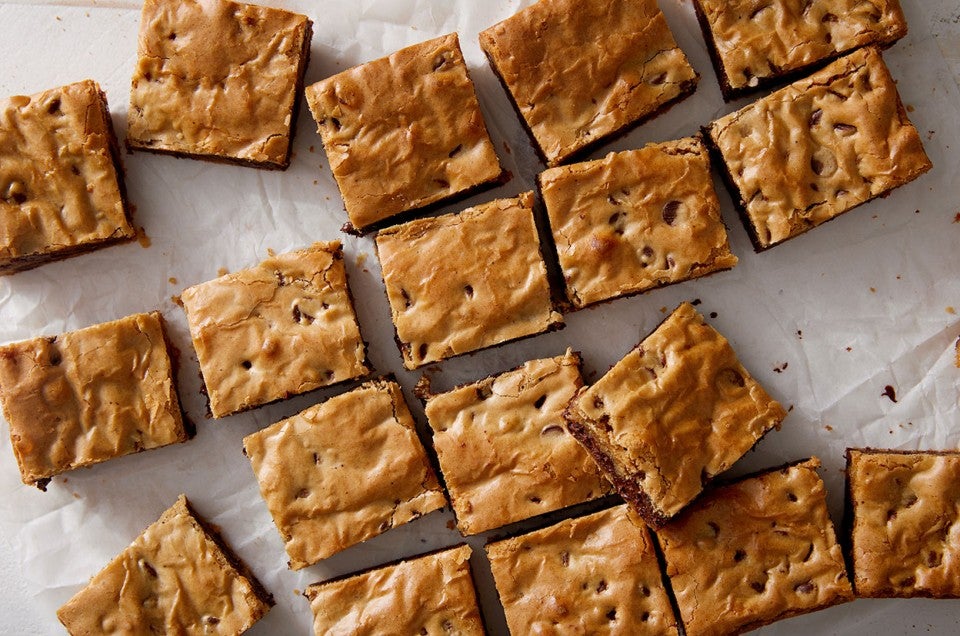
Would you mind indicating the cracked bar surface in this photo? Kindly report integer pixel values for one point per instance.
(755, 552)
(89, 395)
(817, 148)
(178, 577)
(905, 528)
(756, 42)
(218, 80)
(404, 131)
(343, 471)
(675, 412)
(635, 220)
(503, 450)
(579, 72)
(429, 594)
(596, 574)
(461, 282)
(61, 183)
(284, 327)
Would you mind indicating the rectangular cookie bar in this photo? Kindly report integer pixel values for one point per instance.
(581, 71)
(766, 546)
(404, 132)
(218, 80)
(675, 412)
(817, 148)
(902, 509)
(503, 449)
(178, 577)
(754, 44)
(635, 220)
(461, 282)
(343, 471)
(281, 328)
(596, 574)
(89, 395)
(61, 182)
(429, 594)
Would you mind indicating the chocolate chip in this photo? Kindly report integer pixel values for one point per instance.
(565, 557)
(816, 165)
(733, 377)
(659, 79)
(406, 298)
(303, 493)
(739, 556)
(54, 107)
(614, 218)
(296, 314)
(538, 403)
(670, 212)
(551, 430)
(453, 153)
(644, 590)
(647, 251)
(172, 36)
(602, 586)
(791, 496)
(422, 351)
(804, 588)
(483, 392)
(598, 402)
(612, 615)
(714, 527)
(212, 620)
(335, 122)
(468, 290)
(443, 183)
(246, 364)
(536, 499)
(645, 617)
(846, 129)
(815, 117)
(147, 568)
(829, 17)
(55, 358)
(281, 280)
(758, 587)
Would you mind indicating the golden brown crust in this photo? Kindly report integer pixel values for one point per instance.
(819, 147)
(431, 594)
(174, 578)
(676, 411)
(503, 451)
(581, 71)
(404, 131)
(590, 575)
(461, 282)
(218, 79)
(635, 220)
(343, 472)
(904, 528)
(757, 41)
(281, 328)
(89, 395)
(60, 182)
(754, 552)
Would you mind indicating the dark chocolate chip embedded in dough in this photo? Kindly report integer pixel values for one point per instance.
(845, 129)
(54, 107)
(538, 403)
(804, 588)
(815, 117)
(816, 165)
(670, 212)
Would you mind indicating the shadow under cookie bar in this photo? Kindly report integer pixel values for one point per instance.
(218, 80)
(89, 395)
(817, 148)
(61, 180)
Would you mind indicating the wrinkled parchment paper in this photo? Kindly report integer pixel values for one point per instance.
(825, 321)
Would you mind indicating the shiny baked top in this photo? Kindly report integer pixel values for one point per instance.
(403, 131)
(175, 578)
(753, 552)
(218, 79)
(759, 39)
(89, 395)
(820, 146)
(579, 70)
(503, 449)
(674, 412)
(461, 282)
(596, 574)
(905, 531)
(281, 328)
(431, 594)
(59, 186)
(343, 471)
(635, 220)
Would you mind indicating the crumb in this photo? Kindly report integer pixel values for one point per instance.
(506, 148)
(271, 252)
(66, 480)
(176, 300)
(899, 277)
(713, 314)
(310, 148)
(799, 334)
(956, 217)
(663, 310)
(950, 310)
(297, 592)
(873, 290)
(361, 259)
(223, 271)
(451, 524)
(890, 392)
(143, 239)
(172, 280)
(827, 428)
(695, 302)
(849, 348)
(916, 211)
(780, 368)
(790, 409)
(315, 182)
(910, 108)
(76, 495)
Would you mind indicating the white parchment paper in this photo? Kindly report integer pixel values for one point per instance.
(825, 321)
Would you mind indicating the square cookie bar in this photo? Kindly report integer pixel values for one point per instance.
(675, 412)
(596, 574)
(430, 594)
(904, 535)
(635, 220)
(817, 148)
(503, 449)
(61, 182)
(404, 131)
(282, 328)
(343, 471)
(755, 44)
(461, 282)
(218, 80)
(580, 71)
(89, 395)
(178, 577)
(766, 546)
